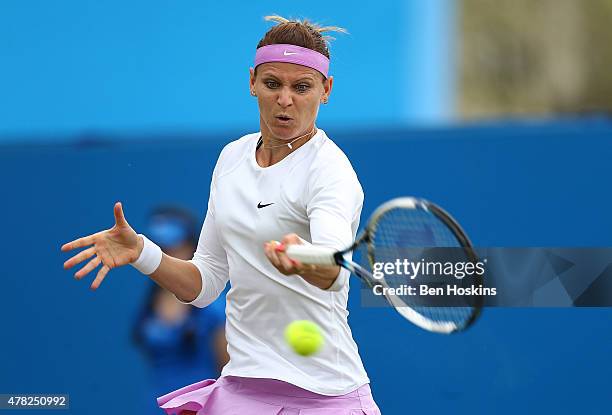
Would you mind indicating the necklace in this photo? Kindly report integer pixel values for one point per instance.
(313, 132)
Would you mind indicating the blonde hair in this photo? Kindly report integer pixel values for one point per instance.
(297, 32)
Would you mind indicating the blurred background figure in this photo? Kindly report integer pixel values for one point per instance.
(182, 344)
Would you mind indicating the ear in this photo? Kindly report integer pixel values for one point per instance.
(327, 88)
(251, 80)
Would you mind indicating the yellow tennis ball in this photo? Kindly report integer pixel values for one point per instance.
(304, 337)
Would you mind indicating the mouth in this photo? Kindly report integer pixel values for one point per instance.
(283, 119)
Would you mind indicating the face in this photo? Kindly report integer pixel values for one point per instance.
(289, 96)
(168, 308)
(183, 251)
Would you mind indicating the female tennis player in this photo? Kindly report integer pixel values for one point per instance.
(288, 182)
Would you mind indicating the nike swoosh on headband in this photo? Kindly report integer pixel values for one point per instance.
(284, 52)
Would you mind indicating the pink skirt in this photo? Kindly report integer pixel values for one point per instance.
(232, 395)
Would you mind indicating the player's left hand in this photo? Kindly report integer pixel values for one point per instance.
(317, 275)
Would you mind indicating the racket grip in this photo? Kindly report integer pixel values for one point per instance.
(311, 254)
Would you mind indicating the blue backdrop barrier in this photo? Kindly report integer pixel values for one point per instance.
(80, 64)
(508, 184)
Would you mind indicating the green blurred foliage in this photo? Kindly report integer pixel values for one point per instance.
(536, 57)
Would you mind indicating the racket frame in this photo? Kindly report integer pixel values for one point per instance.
(363, 274)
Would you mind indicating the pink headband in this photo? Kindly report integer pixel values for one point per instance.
(292, 54)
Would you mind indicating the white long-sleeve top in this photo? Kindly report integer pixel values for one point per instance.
(313, 192)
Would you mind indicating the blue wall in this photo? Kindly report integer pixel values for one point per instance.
(511, 184)
(148, 65)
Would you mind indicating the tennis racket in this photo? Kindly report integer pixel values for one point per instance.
(396, 227)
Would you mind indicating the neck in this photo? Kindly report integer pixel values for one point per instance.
(274, 149)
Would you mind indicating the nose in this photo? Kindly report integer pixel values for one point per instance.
(284, 98)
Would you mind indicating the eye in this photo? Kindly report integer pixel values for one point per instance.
(302, 87)
(271, 84)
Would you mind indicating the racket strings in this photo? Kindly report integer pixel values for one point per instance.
(406, 234)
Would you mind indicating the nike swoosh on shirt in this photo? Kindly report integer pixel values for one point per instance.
(289, 53)
(259, 205)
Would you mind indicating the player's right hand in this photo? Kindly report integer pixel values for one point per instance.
(112, 248)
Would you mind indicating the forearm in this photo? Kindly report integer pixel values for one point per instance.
(320, 276)
(180, 277)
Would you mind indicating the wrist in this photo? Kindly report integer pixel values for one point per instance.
(338, 282)
(139, 246)
(150, 256)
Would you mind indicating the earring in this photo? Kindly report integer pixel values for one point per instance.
(324, 101)
(253, 93)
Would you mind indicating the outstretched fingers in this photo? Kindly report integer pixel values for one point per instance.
(100, 277)
(78, 243)
(80, 257)
(91, 265)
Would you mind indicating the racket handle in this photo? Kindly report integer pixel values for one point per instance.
(311, 254)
